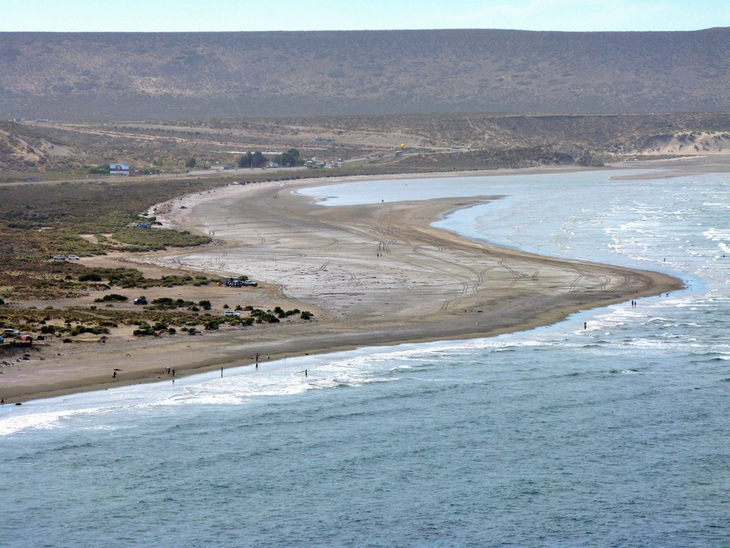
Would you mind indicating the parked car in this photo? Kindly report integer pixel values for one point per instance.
(9, 332)
(236, 282)
(73, 257)
(232, 313)
(140, 300)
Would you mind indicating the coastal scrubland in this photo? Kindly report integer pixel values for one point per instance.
(175, 76)
(358, 145)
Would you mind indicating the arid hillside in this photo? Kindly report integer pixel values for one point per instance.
(25, 149)
(156, 76)
(432, 141)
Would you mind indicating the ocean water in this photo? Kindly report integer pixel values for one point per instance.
(613, 435)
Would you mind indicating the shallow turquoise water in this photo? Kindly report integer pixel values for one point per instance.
(614, 435)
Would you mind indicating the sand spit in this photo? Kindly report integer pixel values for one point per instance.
(372, 275)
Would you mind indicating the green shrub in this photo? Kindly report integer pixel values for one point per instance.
(96, 330)
(100, 170)
(125, 277)
(145, 329)
(111, 298)
(158, 239)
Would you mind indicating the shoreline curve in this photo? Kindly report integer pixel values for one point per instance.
(375, 275)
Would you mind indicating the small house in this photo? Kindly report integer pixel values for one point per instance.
(119, 169)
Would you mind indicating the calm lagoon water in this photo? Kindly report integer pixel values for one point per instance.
(615, 435)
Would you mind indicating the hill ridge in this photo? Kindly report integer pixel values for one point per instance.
(148, 76)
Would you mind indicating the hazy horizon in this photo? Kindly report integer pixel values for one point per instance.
(327, 15)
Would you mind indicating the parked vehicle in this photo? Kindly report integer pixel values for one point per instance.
(236, 282)
(140, 300)
(232, 313)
